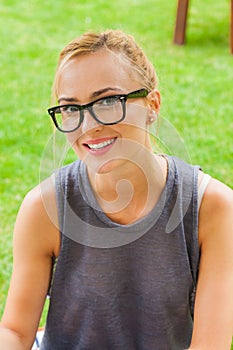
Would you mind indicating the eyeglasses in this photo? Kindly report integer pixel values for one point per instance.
(107, 111)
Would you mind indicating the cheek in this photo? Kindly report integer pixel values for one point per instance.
(73, 137)
(136, 115)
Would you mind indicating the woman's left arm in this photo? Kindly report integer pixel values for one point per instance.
(213, 315)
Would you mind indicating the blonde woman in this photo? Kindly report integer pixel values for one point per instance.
(143, 242)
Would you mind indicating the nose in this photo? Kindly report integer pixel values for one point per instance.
(89, 123)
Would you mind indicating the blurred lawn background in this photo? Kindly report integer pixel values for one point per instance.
(195, 80)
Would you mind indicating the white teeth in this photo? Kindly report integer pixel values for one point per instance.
(101, 144)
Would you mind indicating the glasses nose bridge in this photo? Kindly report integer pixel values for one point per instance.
(87, 110)
(88, 118)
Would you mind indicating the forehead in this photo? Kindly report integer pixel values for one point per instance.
(95, 71)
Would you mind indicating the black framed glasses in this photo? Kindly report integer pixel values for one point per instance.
(106, 110)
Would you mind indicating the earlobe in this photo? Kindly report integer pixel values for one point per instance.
(153, 99)
(152, 116)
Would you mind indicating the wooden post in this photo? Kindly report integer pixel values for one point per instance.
(181, 21)
(231, 27)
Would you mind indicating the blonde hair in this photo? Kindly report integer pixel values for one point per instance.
(114, 41)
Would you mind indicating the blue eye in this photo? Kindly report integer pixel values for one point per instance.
(108, 101)
(69, 109)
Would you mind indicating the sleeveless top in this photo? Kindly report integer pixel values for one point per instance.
(126, 287)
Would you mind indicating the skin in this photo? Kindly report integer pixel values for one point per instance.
(131, 136)
(36, 234)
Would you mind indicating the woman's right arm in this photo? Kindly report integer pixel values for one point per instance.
(36, 241)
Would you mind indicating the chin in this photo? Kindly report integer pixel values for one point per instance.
(107, 166)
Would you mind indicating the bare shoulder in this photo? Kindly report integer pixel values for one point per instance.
(38, 218)
(217, 197)
(216, 211)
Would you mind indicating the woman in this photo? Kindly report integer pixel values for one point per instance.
(139, 264)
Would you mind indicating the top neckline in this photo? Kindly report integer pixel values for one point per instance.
(147, 220)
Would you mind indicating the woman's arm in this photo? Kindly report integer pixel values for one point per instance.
(213, 315)
(36, 241)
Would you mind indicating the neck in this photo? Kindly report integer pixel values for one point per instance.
(132, 189)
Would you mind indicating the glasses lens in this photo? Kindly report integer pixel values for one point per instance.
(109, 110)
(67, 117)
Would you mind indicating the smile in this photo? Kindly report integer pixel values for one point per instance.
(101, 145)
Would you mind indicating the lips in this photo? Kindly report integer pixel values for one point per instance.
(99, 145)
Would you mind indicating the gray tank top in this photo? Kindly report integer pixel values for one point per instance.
(126, 287)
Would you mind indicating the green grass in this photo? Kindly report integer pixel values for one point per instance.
(195, 83)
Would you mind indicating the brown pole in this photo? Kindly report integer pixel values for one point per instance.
(181, 21)
(231, 27)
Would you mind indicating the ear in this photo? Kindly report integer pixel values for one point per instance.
(154, 100)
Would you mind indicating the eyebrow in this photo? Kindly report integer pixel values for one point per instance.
(103, 91)
(93, 95)
(67, 99)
